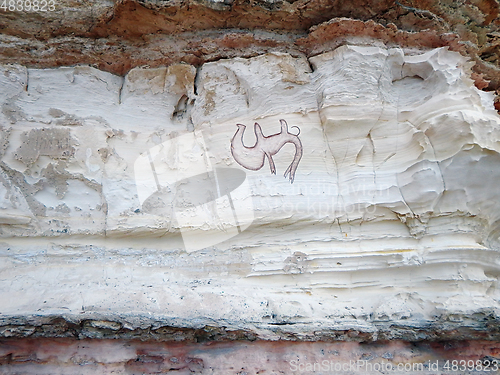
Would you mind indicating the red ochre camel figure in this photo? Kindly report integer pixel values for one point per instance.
(253, 157)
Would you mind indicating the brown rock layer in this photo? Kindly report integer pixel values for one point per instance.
(69, 356)
(119, 35)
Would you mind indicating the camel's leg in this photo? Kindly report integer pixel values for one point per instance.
(271, 163)
(290, 171)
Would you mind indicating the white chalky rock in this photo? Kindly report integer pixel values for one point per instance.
(122, 197)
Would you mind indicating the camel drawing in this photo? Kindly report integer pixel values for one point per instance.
(253, 158)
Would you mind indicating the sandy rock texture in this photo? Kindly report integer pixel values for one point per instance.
(81, 357)
(145, 205)
(117, 35)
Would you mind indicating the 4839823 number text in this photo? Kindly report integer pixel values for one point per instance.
(27, 5)
(470, 365)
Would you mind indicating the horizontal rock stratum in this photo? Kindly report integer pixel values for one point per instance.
(136, 203)
(118, 35)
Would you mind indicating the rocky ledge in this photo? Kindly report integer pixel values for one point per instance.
(116, 36)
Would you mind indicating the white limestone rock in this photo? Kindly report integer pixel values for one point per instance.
(122, 197)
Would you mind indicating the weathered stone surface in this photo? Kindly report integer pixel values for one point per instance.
(67, 356)
(119, 35)
(390, 228)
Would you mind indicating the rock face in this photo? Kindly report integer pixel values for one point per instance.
(137, 202)
(117, 35)
(82, 357)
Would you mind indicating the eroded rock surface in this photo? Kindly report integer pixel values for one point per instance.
(390, 228)
(82, 357)
(118, 35)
